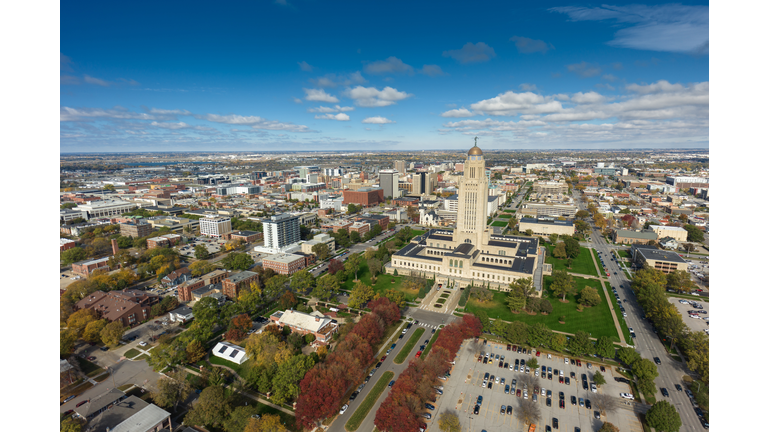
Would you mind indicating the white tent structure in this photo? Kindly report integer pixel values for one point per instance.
(231, 352)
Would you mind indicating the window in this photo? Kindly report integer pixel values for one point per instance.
(461, 264)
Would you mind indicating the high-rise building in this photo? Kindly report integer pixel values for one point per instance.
(215, 226)
(473, 199)
(389, 180)
(424, 182)
(400, 166)
(281, 231)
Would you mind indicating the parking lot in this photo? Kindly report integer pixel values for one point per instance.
(695, 324)
(462, 389)
(213, 246)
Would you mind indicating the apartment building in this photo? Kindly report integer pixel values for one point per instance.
(232, 285)
(281, 231)
(215, 226)
(284, 263)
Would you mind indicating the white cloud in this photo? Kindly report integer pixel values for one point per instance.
(668, 28)
(511, 103)
(587, 98)
(297, 100)
(254, 121)
(306, 67)
(432, 70)
(527, 45)
(319, 95)
(337, 108)
(169, 112)
(339, 117)
(372, 97)
(461, 112)
(377, 120)
(333, 80)
(527, 87)
(180, 125)
(660, 86)
(100, 82)
(584, 69)
(471, 53)
(390, 65)
(65, 63)
(609, 77)
(83, 114)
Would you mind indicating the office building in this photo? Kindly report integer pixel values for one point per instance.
(281, 231)
(389, 181)
(215, 226)
(400, 166)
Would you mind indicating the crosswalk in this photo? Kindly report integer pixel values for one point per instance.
(434, 326)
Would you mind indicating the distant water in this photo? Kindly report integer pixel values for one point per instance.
(168, 163)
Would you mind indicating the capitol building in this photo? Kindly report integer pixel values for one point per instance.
(471, 254)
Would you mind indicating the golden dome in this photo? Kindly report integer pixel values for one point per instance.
(475, 151)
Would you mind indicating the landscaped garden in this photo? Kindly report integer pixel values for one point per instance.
(383, 282)
(499, 224)
(596, 320)
(362, 411)
(406, 350)
(582, 264)
(505, 216)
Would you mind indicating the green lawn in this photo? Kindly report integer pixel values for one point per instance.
(362, 411)
(89, 369)
(688, 297)
(595, 320)
(499, 224)
(288, 420)
(383, 282)
(221, 362)
(624, 254)
(403, 354)
(504, 216)
(131, 353)
(429, 345)
(441, 301)
(622, 323)
(582, 264)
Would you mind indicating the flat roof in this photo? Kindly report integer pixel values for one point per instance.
(656, 254)
(546, 222)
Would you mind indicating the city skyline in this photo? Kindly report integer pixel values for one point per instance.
(304, 76)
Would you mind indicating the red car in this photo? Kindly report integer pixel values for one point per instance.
(538, 353)
(91, 358)
(562, 404)
(514, 347)
(383, 358)
(509, 347)
(479, 358)
(518, 393)
(561, 380)
(578, 362)
(418, 354)
(81, 403)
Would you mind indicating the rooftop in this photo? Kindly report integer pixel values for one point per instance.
(656, 254)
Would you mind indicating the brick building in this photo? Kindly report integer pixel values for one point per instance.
(130, 307)
(86, 267)
(246, 236)
(302, 323)
(364, 196)
(284, 263)
(232, 285)
(215, 277)
(186, 288)
(405, 201)
(381, 220)
(135, 229)
(156, 242)
(360, 227)
(65, 244)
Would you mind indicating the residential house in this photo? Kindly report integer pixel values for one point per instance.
(176, 277)
(322, 328)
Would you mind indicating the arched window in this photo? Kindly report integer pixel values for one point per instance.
(450, 263)
(461, 264)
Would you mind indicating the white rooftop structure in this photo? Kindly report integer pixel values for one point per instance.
(231, 352)
(301, 320)
(144, 420)
(666, 227)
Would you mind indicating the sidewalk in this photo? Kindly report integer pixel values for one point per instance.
(607, 297)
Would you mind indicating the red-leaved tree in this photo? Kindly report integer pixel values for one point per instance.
(334, 266)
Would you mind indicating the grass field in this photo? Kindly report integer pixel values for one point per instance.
(383, 282)
(89, 369)
(582, 264)
(624, 254)
(131, 353)
(499, 224)
(504, 216)
(221, 362)
(403, 354)
(620, 317)
(595, 320)
(362, 411)
(429, 345)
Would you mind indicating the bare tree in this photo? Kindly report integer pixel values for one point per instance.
(474, 347)
(605, 403)
(528, 411)
(527, 381)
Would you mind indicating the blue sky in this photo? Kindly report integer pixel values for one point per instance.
(351, 75)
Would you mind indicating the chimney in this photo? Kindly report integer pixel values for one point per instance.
(115, 248)
(317, 319)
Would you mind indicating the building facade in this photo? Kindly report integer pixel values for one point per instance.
(215, 226)
(281, 231)
(285, 264)
(232, 285)
(389, 181)
(364, 196)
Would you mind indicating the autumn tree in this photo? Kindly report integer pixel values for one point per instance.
(559, 251)
(267, 423)
(589, 297)
(393, 295)
(199, 268)
(326, 286)
(171, 389)
(92, 332)
(608, 427)
(448, 421)
(67, 339)
(334, 266)
(195, 351)
(302, 281)
(361, 294)
(266, 349)
(201, 252)
(112, 333)
(240, 417)
(79, 320)
(211, 408)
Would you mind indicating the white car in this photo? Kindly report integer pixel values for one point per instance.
(627, 396)
(537, 372)
(630, 330)
(593, 388)
(566, 361)
(543, 391)
(142, 343)
(344, 409)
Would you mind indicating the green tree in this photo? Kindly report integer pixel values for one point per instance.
(374, 266)
(449, 421)
(598, 379)
(539, 335)
(302, 281)
(361, 295)
(285, 384)
(395, 296)
(562, 283)
(69, 424)
(696, 348)
(354, 237)
(275, 286)
(67, 339)
(558, 341)
(352, 264)
(663, 417)
(608, 427)
(680, 280)
(604, 348)
(92, 332)
(239, 418)
(201, 252)
(499, 328)
(322, 252)
(645, 369)
(694, 233)
(171, 389)
(206, 312)
(627, 355)
(211, 408)
(484, 320)
(589, 297)
(72, 255)
(237, 261)
(572, 247)
(326, 285)
(112, 333)
(199, 268)
(195, 351)
(580, 344)
(553, 238)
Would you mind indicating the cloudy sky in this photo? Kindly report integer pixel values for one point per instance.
(400, 75)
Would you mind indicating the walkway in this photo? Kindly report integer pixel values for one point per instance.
(603, 281)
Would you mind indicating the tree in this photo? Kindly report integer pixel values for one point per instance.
(239, 418)
(604, 403)
(529, 412)
(628, 355)
(195, 351)
(72, 255)
(449, 421)
(79, 320)
(237, 261)
(562, 283)
(326, 286)
(482, 294)
(694, 233)
(484, 321)
(354, 237)
(69, 424)
(604, 348)
(171, 389)
(334, 266)
(645, 369)
(582, 214)
(680, 280)
(201, 252)
(302, 281)
(663, 417)
(374, 266)
(274, 286)
(580, 344)
(589, 297)
(515, 299)
(211, 408)
(267, 423)
(696, 349)
(285, 383)
(199, 268)
(608, 427)
(533, 363)
(361, 294)
(553, 238)
(689, 247)
(353, 263)
(572, 247)
(545, 306)
(598, 379)
(288, 300)
(558, 341)
(395, 296)
(321, 250)
(92, 332)
(112, 333)
(67, 339)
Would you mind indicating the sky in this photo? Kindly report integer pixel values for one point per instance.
(298, 75)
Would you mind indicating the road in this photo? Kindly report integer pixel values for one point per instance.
(647, 342)
(427, 320)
